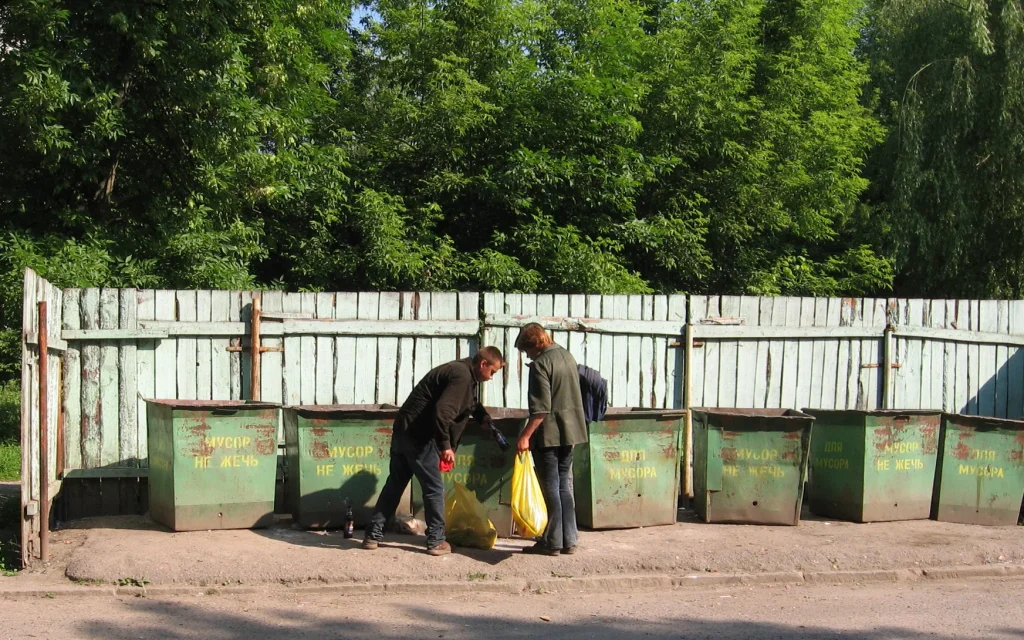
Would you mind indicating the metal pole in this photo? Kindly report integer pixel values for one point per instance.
(688, 425)
(254, 349)
(887, 368)
(44, 438)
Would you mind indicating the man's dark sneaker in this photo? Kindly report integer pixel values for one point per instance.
(442, 549)
(541, 549)
(570, 550)
(370, 545)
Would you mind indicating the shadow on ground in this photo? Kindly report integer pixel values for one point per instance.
(180, 621)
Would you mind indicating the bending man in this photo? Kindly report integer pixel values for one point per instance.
(426, 431)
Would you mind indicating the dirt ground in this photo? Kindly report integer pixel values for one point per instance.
(914, 611)
(123, 550)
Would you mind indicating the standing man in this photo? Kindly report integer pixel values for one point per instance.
(556, 424)
(426, 431)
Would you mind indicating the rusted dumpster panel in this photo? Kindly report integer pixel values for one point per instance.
(212, 464)
(485, 470)
(337, 455)
(981, 470)
(873, 466)
(627, 474)
(750, 464)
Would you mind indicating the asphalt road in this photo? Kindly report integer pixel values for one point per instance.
(950, 609)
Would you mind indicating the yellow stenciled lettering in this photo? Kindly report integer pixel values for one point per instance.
(201, 462)
(987, 471)
(772, 470)
(751, 454)
(325, 469)
(909, 464)
(351, 452)
(228, 442)
(831, 463)
(633, 473)
(833, 447)
(903, 447)
(730, 470)
(882, 465)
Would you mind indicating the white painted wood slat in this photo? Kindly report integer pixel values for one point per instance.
(292, 377)
(109, 382)
(387, 351)
(307, 372)
(72, 381)
(366, 351)
(128, 403)
(324, 393)
(346, 305)
(220, 358)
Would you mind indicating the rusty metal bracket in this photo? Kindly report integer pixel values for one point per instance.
(248, 348)
(255, 348)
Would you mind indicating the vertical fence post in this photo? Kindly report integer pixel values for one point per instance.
(887, 367)
(254, 349)
(687, 399)
(44, 436)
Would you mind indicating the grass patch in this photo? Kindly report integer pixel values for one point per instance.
(10, 431)
(10, 461)
(10, 510)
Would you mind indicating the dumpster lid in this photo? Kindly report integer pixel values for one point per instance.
(982, 422)
(384, 411)
(881, 413)
(177, 403)
(753, 413)
(621, 412)
(377, 411)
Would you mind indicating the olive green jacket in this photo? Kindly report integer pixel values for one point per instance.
(555, 390)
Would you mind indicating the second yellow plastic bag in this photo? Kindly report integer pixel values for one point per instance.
(465, 520)
(528, 508)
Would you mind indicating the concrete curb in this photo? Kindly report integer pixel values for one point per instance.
(584, 584)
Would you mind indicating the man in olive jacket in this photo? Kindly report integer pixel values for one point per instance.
(426, 432)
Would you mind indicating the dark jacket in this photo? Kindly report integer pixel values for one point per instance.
(440, 405)
(595, 393)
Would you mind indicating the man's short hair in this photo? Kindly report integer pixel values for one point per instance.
(533, 336)
(491, 354)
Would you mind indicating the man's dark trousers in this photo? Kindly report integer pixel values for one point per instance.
(409, 459)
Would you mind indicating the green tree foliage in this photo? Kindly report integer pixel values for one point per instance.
(148, 143)
(950, 177)
(614, 146)
(604, 146)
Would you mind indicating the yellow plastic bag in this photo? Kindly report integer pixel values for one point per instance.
(528, 508)
(465, 520)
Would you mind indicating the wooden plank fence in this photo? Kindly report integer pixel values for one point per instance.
(112, 348)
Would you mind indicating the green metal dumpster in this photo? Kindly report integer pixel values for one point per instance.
(873, 466)
(484, 468)
(212, 464)
(337, 455)
(627, 474)
(749, 465)
(980, 479)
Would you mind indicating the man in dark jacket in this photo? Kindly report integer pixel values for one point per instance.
(425, 433)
